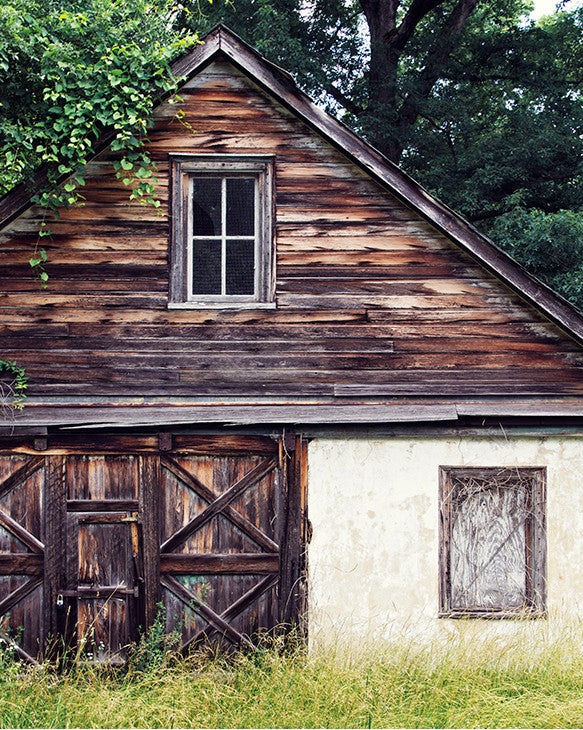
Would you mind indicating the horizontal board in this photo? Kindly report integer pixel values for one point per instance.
(229, 564)
(21, 564)
(182, 345)
(102, 505)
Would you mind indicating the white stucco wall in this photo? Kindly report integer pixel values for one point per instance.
(373, 558)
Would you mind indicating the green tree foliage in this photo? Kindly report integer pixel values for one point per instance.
(551, 244)
(71, 70)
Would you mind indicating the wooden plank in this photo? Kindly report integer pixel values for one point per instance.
(21, 534)
(219, 564)
(291, 563)
(534, 408)
(459, 384)
(255, 475)
(108, 592)
(125, 315)
(186, 348)
(104, 518)
(236, 518)
(149, 495)
(8, 603)
(102, 505)
(54, 500)
(209, 615)
(21, 474)
(225, 444)
(527, 612)
(215, 332)
(21, 564)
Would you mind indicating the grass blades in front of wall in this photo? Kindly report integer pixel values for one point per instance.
(458, 683)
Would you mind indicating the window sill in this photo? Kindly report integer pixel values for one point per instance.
(222, 305)
(524, 613)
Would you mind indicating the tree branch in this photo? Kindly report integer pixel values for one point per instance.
(343, 100)
(417, 11)
(436, 60)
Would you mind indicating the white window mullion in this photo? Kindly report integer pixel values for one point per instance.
(190, 241)
(258, 253)
(224, 236)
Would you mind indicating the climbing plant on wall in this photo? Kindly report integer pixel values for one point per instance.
(71, 71)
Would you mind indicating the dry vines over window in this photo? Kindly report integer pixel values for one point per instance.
(492, 541)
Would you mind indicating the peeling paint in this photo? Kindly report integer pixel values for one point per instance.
(373, 505)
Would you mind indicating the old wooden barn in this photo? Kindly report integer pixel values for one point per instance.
(306, 391)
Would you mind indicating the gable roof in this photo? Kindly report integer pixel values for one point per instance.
(222, 42)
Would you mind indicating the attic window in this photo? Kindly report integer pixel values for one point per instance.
(492, 542)
(221, 236)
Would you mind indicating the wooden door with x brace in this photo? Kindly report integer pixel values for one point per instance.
(92, 545)
(228, 557)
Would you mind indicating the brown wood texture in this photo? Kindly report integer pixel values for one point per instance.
(22, 561)
(91, 543)
(240, 563)
(367, 292)
(221, 523)
(102, 579)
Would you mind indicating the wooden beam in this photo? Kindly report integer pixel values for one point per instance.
(219, 564)
(149, 513)
(257, 473)
(21, 564)
(16, 596)
(21, 534)
(102, 505)
(21, 474)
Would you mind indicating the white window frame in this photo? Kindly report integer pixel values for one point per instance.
(183, 168)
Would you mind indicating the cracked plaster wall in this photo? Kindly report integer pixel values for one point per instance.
(373, 558)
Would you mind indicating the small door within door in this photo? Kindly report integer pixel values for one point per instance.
(108, 588)
(103, 595)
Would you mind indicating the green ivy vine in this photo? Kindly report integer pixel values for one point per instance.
(16, 389)
(70, 72)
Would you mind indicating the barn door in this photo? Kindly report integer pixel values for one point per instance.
(22, 553)
(103, 590)
(90, 544)
(222, 528)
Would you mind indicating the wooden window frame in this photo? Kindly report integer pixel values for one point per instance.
(535, 543)
(182, 169)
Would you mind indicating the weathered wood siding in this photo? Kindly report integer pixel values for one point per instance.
(367, 291)
(91, 544)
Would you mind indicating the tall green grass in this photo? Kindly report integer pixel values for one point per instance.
(461, 683)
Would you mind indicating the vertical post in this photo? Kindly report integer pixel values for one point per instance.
(292, 555)
(149, 514)
(54, 538)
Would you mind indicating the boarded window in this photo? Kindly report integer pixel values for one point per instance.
(492, 542)
(222, 240)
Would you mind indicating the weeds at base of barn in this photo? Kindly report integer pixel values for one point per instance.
(456, 681)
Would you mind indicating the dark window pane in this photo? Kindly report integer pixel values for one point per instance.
(206, 206)
(240, 206)
(240, 267)
(206, 267)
